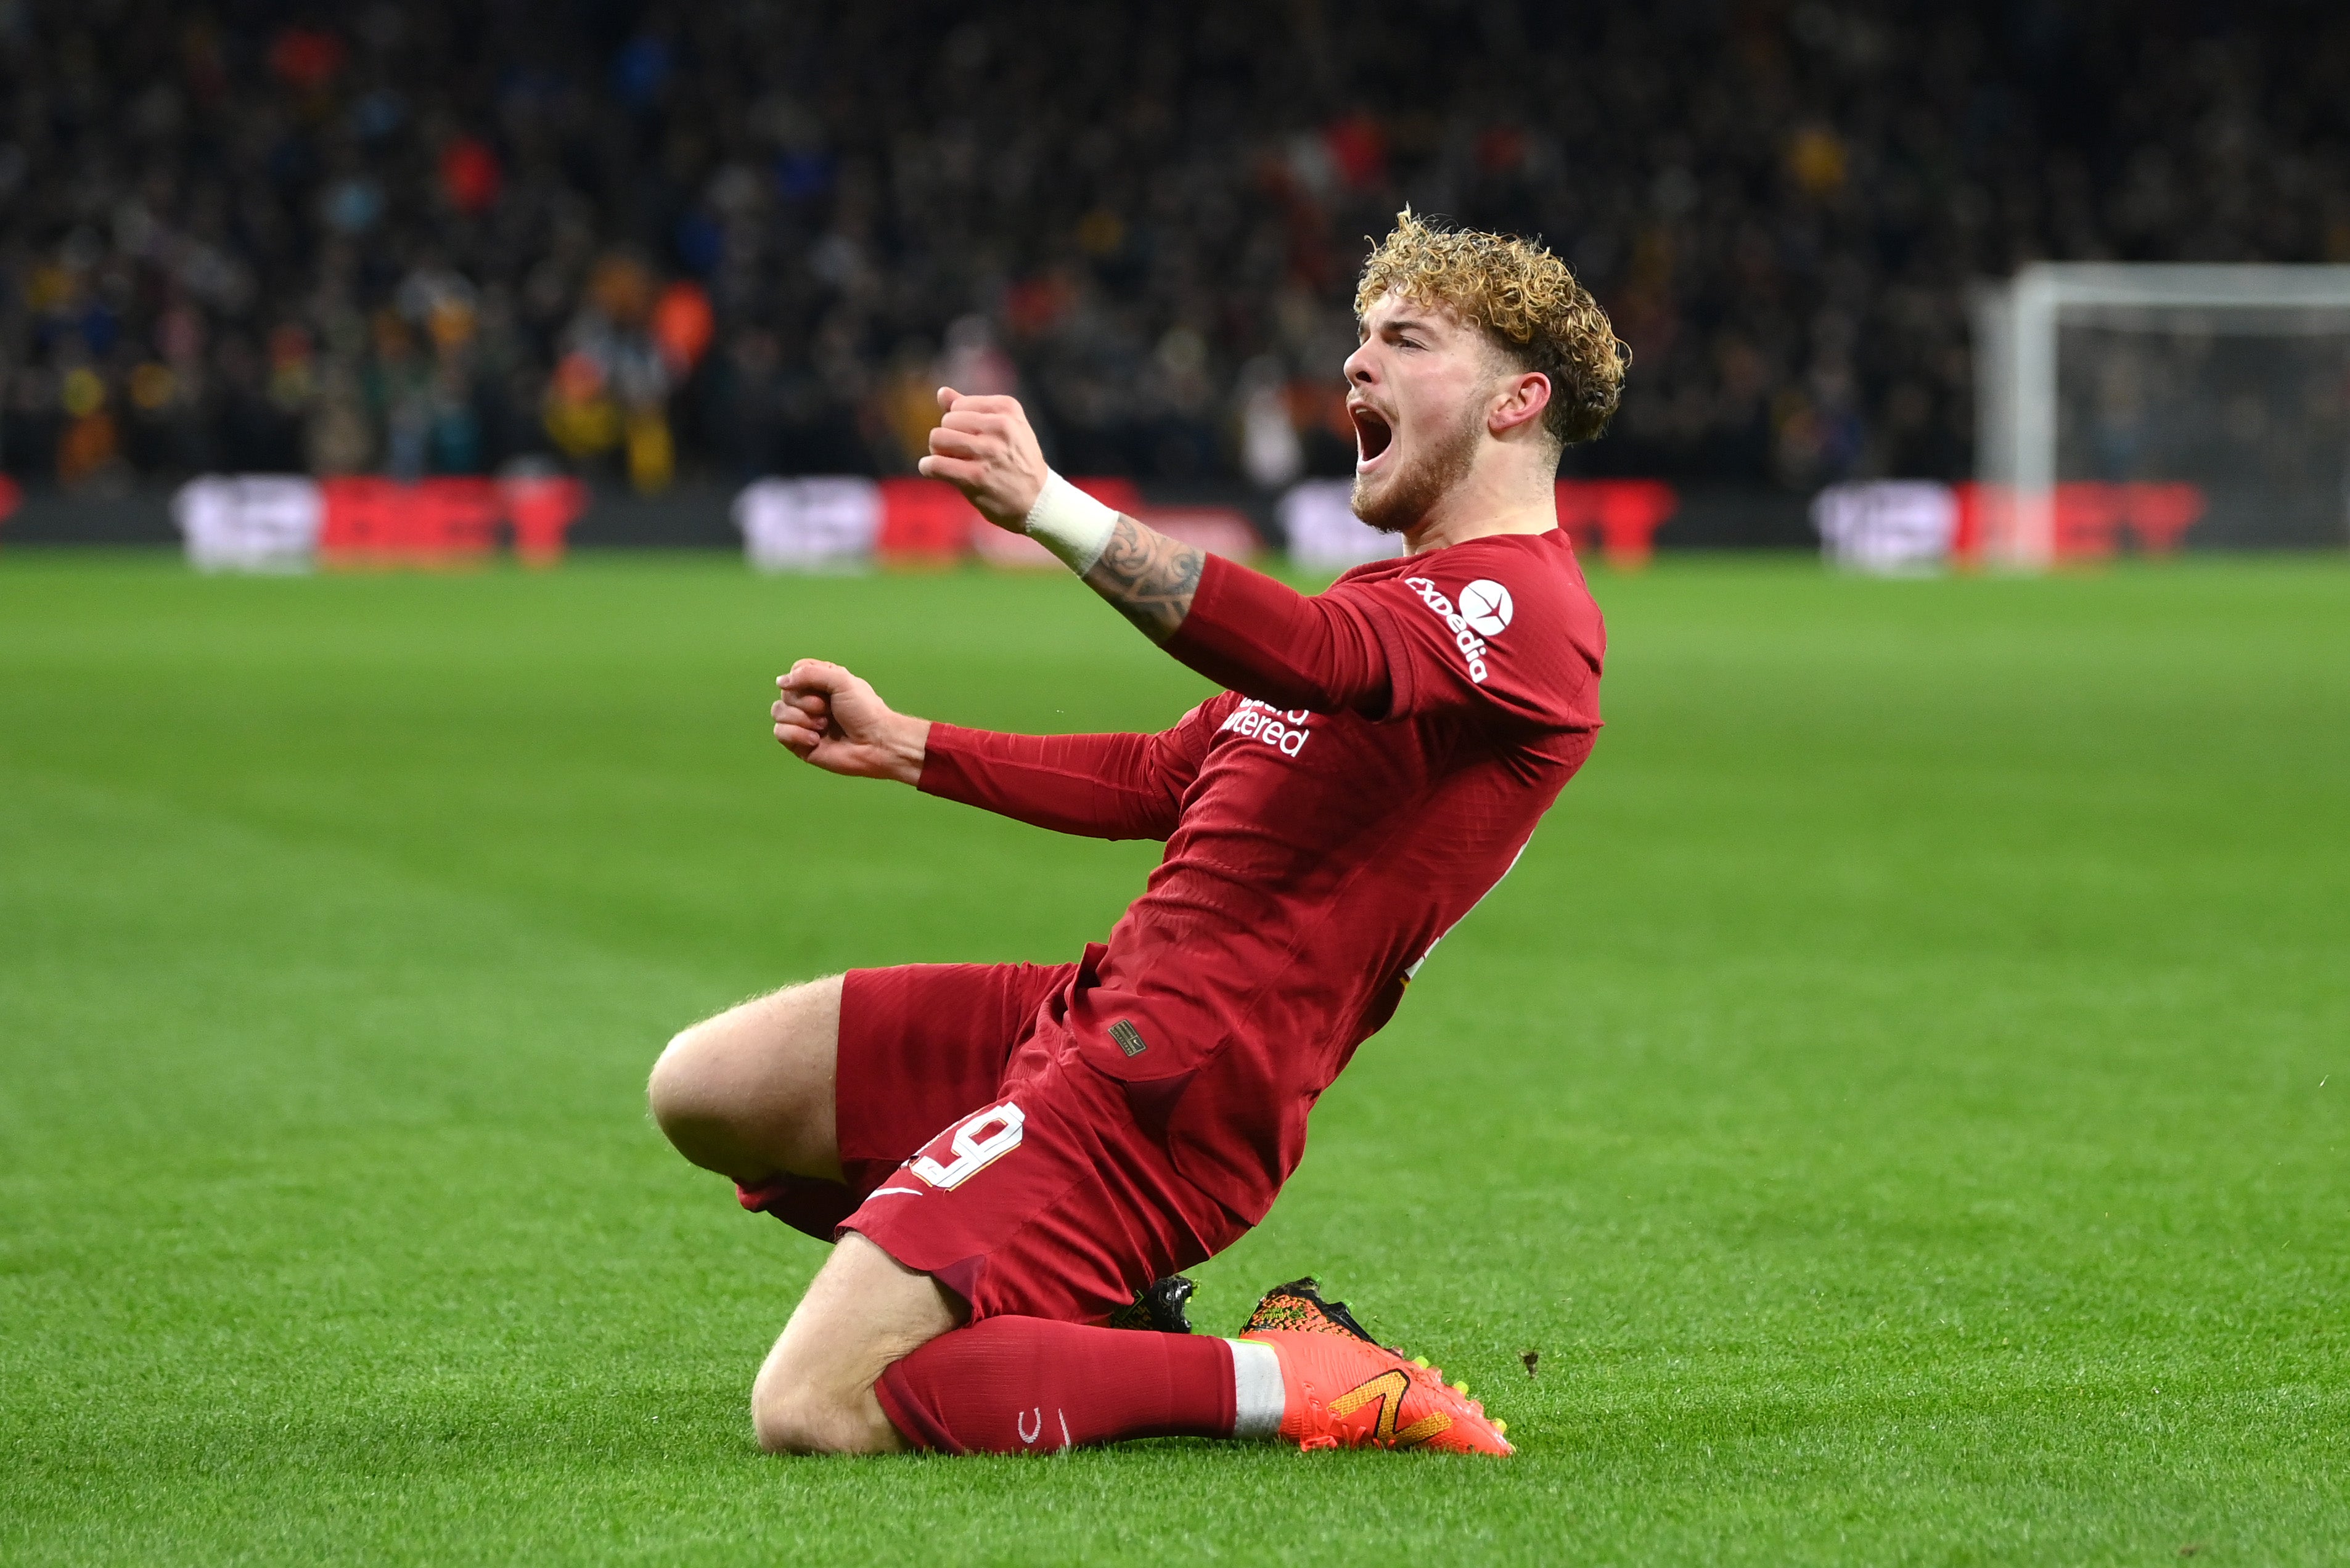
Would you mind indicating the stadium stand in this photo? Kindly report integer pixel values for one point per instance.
(722, 241)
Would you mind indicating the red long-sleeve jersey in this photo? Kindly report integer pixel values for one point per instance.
(1380, 758)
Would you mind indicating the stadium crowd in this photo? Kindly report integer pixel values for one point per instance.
(725, 240)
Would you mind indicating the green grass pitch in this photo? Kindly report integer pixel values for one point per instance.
(1900, 1096)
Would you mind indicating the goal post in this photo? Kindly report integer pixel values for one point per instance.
(2232, 378)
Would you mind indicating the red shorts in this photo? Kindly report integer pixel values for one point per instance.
(979, 1153)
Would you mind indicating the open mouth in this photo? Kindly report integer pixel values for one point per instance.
(1373, 435)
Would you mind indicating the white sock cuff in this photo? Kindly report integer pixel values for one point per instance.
(1256, 1389)
(1070, 523)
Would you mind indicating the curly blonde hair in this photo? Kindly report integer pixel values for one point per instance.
(1524, 298)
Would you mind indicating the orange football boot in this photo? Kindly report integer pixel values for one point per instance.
(1340, 1388)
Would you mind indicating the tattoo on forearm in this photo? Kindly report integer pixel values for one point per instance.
(1149, 576)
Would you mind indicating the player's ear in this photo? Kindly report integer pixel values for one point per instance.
(1519, 398)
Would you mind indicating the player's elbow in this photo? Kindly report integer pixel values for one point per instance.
(1303, 692)
(1293, 688)
(1333, 680)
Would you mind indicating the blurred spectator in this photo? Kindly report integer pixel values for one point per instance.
(735, 238)
(1269, 453)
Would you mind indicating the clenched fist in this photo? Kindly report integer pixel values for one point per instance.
(984, 448)
(836, 720)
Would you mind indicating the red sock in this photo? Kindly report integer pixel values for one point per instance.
(805, 1203)
(1028, 1384)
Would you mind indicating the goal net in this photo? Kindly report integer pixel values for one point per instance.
(2226, 385)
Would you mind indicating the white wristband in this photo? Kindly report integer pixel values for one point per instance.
(1070, 523)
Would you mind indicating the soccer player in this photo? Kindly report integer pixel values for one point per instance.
(1009, 1156)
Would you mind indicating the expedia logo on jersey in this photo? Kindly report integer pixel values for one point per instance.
(1488, 609)
(1286, 733)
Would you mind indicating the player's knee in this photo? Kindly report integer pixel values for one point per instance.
(790, 1415)
(696, 1103)
(681, 1090)
(748, 1092)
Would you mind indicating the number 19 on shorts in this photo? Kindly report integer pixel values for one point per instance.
(978, 1143)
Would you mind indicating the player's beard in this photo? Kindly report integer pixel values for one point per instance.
(1400, 499)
